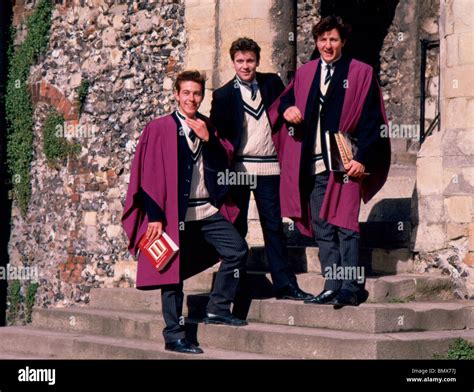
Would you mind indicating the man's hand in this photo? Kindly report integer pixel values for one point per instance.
(154, 231)
(293, 115)
(200, 128)
(355, 169)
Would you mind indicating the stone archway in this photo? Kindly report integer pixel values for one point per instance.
(370, 21)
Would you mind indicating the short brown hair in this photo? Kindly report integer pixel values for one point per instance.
(332, 22)
(190, 76)
(244, 44)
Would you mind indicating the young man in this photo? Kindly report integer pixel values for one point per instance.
(332, 93)
(174, 189)
(239, 112)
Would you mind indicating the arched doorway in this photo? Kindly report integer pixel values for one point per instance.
(370, 21)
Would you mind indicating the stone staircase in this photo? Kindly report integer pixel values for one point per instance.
(407, 315)
(126, 323)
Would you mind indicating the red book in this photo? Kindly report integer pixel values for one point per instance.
(159, 252)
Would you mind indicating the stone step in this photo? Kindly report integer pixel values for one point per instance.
(13, 355)
(302, 259)
(392, 288)
(32, 341)
(386, 209)
(381, 289)
(259, 338)
(375, 234)
(369, 318)
(397, 288)
(306, 259)
(400, 158)
(385, 235)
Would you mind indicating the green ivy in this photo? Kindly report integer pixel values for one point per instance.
(19, 107)
(55, 145)
(14, 301)
(82, 93)
(20, 308)
(459, 349)
(30, 297)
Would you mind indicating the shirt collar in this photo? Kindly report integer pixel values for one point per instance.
(181, 116)
(247, 84)
(333, 63)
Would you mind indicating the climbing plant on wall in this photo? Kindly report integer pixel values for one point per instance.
(19, 107)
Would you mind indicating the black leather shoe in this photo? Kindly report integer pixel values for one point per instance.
(293, 292)
(345, 298)
(322, 298)
(226, 320)
(183, 346)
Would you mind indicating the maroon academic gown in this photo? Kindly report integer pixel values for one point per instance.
(155, 171)
(341, 204)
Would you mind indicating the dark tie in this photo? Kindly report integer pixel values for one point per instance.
(328, 73)
(254, 88)
(192, 135)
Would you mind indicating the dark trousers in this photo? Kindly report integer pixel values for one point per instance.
(338, 247)
(232, 249)
(267, 197)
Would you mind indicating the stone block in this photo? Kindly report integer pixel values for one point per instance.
(115, 56)
(430, 209)
(75, 80)
(429, 175)
(466, 47)
(429, 237)
(462, 15)
(453, 108)
(92, 235)
(109, 37)
(459, 209)
(198, 18)
(118, 22)
(256, 9)
(143, 22)
(452, 47)
(471, 236)
(90, 218)
(431, 147)
(468, 175)
(126, 269)
(114, 231)
(430, 25)
(469, 259)
(456, 230)
(458, 81)
(392, 261)
(465, 141)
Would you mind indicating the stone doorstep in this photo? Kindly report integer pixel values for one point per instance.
(381, 290)
(28, 341)
(367, 318)
(302, 259)
(268, 339)
(306, 259)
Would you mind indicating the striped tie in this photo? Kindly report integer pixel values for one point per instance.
(192, 135)
(328, 73)
(254, 88)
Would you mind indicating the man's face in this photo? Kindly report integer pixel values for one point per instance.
(189, 98)
(245, 65)
(330, 45)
